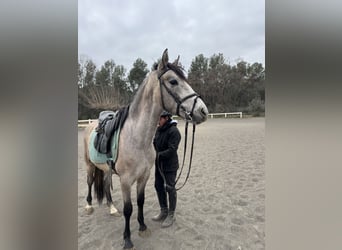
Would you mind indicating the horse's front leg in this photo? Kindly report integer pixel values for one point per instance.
(128, 209)
(144, 232)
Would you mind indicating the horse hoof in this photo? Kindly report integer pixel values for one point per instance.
(145, 234)
(114, 212)
(89, 209)
(128, 245)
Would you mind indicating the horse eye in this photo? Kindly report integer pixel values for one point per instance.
(173, 82)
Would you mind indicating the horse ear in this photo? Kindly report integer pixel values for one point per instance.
(176, 61)
(164, 61)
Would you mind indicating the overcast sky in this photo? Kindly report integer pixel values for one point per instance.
(124, 30)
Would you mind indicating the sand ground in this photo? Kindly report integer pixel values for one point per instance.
(222, 206)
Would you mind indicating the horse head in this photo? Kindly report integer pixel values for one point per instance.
(177, 96)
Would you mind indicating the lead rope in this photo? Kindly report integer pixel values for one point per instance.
(185, 143)
(184, 153)
(191, 153)
(190, 163)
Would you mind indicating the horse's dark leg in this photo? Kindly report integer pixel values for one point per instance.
(108, 196)
(128, 209)
(143, 230)
(141, 201)
(90, 180)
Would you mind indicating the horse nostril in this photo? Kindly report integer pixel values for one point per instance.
(203, 111)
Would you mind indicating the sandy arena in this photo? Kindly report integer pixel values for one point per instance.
(222, 206)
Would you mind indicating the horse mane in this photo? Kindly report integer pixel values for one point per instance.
(179, 70)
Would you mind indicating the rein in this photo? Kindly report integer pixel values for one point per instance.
(190, 162)
(188, 116)
(191, 152)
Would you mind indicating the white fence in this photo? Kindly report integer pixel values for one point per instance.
(84, 123)
(226, 115)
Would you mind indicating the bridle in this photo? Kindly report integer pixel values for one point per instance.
(179, 101)
(188, 116)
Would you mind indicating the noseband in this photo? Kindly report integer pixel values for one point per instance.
(179, 101)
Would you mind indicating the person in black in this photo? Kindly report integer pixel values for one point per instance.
(166, 141)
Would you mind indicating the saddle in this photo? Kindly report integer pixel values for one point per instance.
(109, 122)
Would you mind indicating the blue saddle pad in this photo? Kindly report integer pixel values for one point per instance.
(99, 158)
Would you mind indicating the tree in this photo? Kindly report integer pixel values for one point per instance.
(82, 63)
(137, 74)
(120, 85)
(105, 75)
(256, 75)
(100, 97)
(80, 75)
(90, 69)
(198, 73)
(217, 78)
(104, 91)
(223, 87)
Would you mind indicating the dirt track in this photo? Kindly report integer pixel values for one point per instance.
(221, 207)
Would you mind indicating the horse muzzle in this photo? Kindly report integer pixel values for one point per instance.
(199, 113)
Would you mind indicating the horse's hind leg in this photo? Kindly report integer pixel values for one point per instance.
(108, 180)
(141, 184)
(90, 180)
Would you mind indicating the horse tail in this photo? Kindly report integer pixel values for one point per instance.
(99, 184)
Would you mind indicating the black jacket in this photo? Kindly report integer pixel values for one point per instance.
(166, 143)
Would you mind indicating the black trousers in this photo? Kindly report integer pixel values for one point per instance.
(170, 178)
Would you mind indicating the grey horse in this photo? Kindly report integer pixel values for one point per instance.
(164, 88)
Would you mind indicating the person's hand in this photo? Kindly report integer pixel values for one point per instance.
(159, 156)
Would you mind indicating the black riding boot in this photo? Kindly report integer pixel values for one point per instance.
(162, 215)
(163, 207)
(171, 215)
